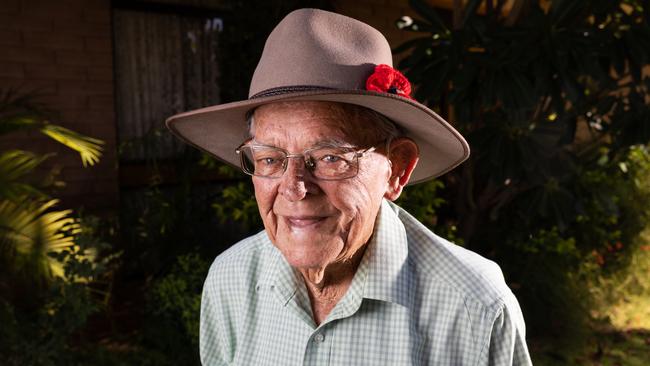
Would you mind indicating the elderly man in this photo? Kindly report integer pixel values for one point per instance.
(341, 275)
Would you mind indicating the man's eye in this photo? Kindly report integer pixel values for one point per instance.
(267, 161)
(331, 158)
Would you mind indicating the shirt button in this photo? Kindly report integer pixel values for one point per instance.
(318, 338)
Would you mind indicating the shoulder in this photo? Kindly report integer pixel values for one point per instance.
(441, 263)
(460, 287)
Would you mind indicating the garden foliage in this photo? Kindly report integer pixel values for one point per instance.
(47, 259)
(29, 227)
(553, 99)
(551, 96)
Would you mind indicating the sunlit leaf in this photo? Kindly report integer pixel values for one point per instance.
(89, 148)
(14, 166)
(30, 231)
(21, 111)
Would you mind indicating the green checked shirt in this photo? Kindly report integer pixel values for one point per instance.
(416, 299)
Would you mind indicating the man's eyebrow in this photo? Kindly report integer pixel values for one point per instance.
(332, 142)
(328, 142)
(261, 144)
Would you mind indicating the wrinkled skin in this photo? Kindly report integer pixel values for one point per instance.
(322, 227)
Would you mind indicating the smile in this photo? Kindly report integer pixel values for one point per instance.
(304, 222)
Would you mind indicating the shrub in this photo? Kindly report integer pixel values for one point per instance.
(553, 101)
(175, 303)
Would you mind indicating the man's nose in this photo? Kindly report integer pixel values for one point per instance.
(294, 185)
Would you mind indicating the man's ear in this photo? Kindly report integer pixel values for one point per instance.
(404, 155)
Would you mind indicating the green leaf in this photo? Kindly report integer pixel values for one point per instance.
(15, 165)
(30, 231)
(89, 148)
(20, 111)
(17, 122)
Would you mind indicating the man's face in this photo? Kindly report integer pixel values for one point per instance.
(316, 223)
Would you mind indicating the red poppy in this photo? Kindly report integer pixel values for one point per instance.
(388, 80)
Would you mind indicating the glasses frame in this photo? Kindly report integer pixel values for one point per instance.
(309, 165)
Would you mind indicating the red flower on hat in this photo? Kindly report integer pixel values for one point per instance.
(385, 79)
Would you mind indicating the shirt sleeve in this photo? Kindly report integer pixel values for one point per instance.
(507, 340)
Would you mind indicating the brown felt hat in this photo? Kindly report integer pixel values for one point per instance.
(317, 55)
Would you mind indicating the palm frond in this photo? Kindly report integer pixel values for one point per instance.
(30, 231)
(21, 111)
(17, 122)
(14, 166)
(89, 148)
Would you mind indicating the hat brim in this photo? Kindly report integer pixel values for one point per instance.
(218, 130)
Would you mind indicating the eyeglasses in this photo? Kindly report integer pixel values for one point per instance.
(326, 163)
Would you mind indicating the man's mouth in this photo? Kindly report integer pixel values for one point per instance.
(304, 222)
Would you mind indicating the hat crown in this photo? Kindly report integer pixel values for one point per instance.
(321, 56)
(319, 49)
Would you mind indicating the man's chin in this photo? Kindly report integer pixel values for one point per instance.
(307, 255)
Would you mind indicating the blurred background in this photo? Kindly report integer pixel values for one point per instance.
(108, 224)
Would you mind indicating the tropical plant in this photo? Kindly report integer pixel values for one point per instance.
(22, 111)
(47, 255)
(553, 98)
(521, 88)
(30, 228)
(40, 332)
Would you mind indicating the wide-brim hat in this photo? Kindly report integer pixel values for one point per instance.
(315, 55)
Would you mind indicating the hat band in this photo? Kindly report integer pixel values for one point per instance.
(287, 90)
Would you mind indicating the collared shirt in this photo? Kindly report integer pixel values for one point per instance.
(416, 299)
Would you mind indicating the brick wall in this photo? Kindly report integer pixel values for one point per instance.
(63, 49)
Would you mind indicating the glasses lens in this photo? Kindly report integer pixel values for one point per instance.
(262, 161)
(334, 163)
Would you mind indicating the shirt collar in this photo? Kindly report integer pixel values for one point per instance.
(287, 285)
(389, 275)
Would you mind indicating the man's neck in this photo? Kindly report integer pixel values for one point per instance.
(328, 285)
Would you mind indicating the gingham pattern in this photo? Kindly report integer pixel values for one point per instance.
(416, 299)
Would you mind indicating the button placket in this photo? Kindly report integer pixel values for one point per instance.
(319, 347)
